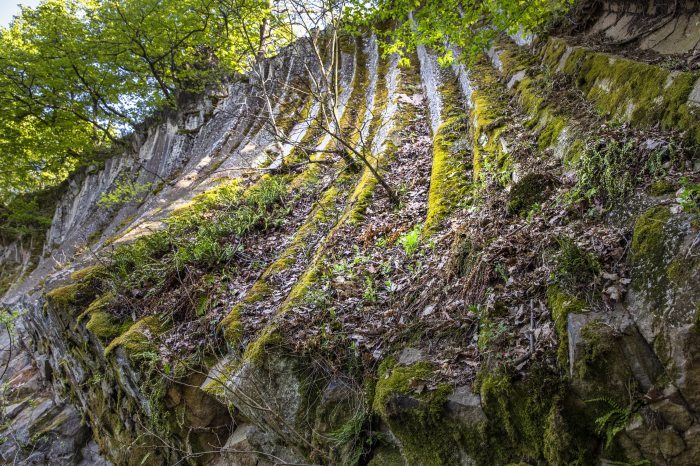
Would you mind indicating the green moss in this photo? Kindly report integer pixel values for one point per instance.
(550, 133)
(654, 243)
(394, 379)
(552, 52)
(257, 349)
(557, 440)
(140, 338)
(362, 196)
(533, 188)
(648, 239)
(386, 456)
(88, 273)
(682, 270)
(531, 99)
(598, 343)
(449, 178)
(69, 297)
(519, 413)
(97, 305)
(661, 187)
(562, 304)
(417, 420)
(105, 325)
(575, 152)
(514, 58)
(632, 91)
(65, 295)
(232, 327)
(488, 117)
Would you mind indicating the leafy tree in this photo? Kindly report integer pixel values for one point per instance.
(470, 25)
(75, 75)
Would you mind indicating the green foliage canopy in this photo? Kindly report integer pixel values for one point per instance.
(75, 75)
(469, 25)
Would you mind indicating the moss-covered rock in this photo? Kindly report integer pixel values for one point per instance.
(627, 90)
(562, 304)
(65, 296)
(105, 325)
(417, 417)
(532, 189)
(661, 187)
(387, 456)
(534, 418)
(450, 179)
(488, 124)
(73, 297)
(141, 337)
(654, 242)
(88, 273)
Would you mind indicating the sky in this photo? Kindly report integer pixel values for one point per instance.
(10, 7)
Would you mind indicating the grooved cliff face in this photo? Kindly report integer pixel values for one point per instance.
(533, 297)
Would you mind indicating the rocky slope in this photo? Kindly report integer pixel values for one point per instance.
(533, 297)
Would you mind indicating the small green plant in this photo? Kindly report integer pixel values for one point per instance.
(501, 271)
(604, 171)
(689, 199)
(610, 170)
(411, 240)
(415, 267)
(359, 258)
(318, 298)
(535, 210)
(342, 267)
(614, 420)
(95, 379)
(124, 192)
(489, 333)
(575, 267)
(387, 267)
(351, 434)
(370, 293)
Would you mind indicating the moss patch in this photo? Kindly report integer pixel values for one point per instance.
(88, 273)
(71, 298)
(449, 178)
(598, 343)
(562, 304)
(104, 325)
(655, 242)
(386, 456)
(661, 187)
(533, 188)
(140, 338)
(627, 90)
(520, 413)
(488, 123)
(418, 420)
